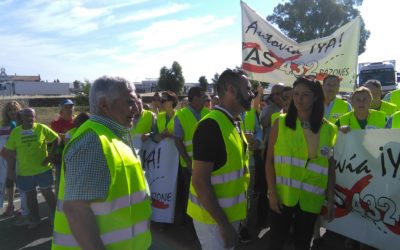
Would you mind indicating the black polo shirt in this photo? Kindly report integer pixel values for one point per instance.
(208, 143)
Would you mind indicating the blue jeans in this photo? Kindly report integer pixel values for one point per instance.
(28, 183)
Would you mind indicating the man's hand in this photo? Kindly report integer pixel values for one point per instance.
(166, 134)
(229, 235)
(274, 202)
(344, 129)
(145, 137)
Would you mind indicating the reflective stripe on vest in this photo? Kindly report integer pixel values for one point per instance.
(300, 185)
(100, 208)
(234, 175)
(223, 202)
(295, 162)
(107, 238)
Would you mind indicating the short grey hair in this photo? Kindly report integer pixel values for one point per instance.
(107, 87)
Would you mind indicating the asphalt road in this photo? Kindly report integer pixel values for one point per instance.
(169, 237)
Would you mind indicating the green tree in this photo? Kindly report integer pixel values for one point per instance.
(86, 87)
(214, 82)
(215, 78)
(171, 79)
(82, 99)
(77, 84)
(304, 20)
(203, 83)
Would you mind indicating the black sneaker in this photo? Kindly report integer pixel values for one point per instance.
(244, 236)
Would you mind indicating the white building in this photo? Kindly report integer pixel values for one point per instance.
(30, 85)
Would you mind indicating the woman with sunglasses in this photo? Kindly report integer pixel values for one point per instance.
(165, 122)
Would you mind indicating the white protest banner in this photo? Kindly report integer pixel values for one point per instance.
(368, 187)
(3, 169)
(270, 56)
(160, 162)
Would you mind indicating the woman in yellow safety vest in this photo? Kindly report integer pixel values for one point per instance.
(362, 116)
(165, 119)
(299, 166)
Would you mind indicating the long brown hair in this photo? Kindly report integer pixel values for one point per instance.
(317, 113)
(6, 118)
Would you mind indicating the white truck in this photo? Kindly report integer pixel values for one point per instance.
(40, 88)
(384, 71)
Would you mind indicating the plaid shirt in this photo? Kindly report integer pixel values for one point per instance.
(86, 172)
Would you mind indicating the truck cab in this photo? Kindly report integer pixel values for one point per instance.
(384, 71)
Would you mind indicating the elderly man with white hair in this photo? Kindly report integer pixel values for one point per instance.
(103, 202)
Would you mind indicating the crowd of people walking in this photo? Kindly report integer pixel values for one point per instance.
(248, 161)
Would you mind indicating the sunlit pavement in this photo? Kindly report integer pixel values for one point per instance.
(168, 237)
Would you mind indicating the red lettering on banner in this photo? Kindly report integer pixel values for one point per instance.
(251, 45)
(366, 206)
(349, 193)
(270, 56)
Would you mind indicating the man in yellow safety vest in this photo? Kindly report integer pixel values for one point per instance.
(103, 201)
(217, 200)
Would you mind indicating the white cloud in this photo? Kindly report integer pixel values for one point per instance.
(196, 43)
(65, 17)
(168, 33)
(73, 18)
(5, 2)
(196, 58)
(148, 14)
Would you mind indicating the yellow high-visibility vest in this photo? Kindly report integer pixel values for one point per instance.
(229, 182)
(123, 217)
(300, 180)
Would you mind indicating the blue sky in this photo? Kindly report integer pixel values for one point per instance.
(85, 39)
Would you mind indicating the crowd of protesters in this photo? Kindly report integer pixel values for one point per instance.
(247, 160)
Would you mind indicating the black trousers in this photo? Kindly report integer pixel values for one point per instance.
(303, 223)
(182, 195)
